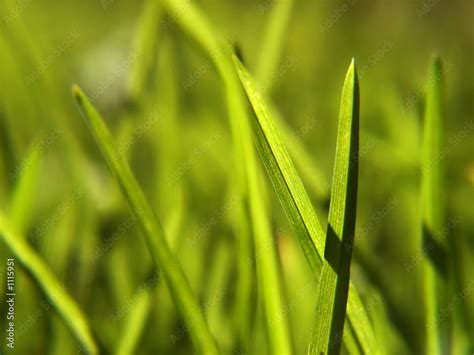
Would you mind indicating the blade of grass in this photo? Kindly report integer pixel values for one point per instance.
(64, 305)
(270, 53)
(296, 203)
(270, 50)
(350, 342)
(434, 215)
(135, 323)
(333, 288)
(195, 23)
(283, 175)
(146, 43)
(25, 188)
(153, 231)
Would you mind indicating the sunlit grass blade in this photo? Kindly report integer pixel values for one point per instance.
(269, 273)
(64, 305)
(333, 288)
(434, 215)
(194, 22)
(25, 188)
(153, 231)
(268, 59)
(296, 203)
(135, 323)
(270, 49)
(145, 50)
(283, 175)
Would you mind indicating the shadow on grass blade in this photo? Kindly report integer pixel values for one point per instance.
(333, 288)
(434, 242)
(297, 205)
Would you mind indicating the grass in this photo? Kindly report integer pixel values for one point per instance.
(296, 203)
(64, 305)
(434, 215)
(334, 281)
(211, 226)
(153, 231)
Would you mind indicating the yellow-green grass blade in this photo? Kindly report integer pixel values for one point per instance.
(269, 273)
(25, 188)
(434, 215)
(154, 235)
(135, 323)
(333, 288)
(146, 40)
(296, 203)
(317, 183)
(65, 306)
(283, 175)
(271, 47)
(195, 23)
(268, 59)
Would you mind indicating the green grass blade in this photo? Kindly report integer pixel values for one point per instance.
(25, 188)
(135, 323)
(269, 273)
(335, 276)
(317, 183)
(284, 177)
(146, 40)
(270, 54)
(270, 50)
(433, 209)
(432, 184)
(195, 23)
(153, 231)
(296, 203)
(64, 305)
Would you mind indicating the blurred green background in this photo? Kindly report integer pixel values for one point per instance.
(177, 138)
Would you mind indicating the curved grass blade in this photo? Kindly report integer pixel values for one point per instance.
(333, 288)
(64, 305)
(297, 205)
(434, 217)
(153, 231)
(194, 22)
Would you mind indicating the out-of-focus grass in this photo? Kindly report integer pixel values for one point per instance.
(161, 74)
